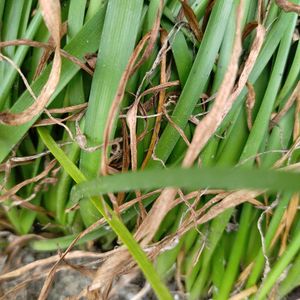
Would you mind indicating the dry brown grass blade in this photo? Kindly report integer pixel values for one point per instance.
(245, 293)
(37, 178)
(232, 200)
(20, 160)
(13, 164)
(117, 101)
(250, 102)
(90, 273)
(208, 10)
(125, 158)
(288, 154)
(216, 199)
(279, 231)
(162, 97)
(248, 29)
(40, 122)
(47, 52)
(260, 11)
(192, 19)
(223, 102)
(27, 85)
(51, 14)
(244, 275)
(18, 201)
(161, 206)
(50, 276)
(153, 36)
(68, 109)
(132, 119)
(294, 96)
(296, 129)
(288, 6)
(250, 62)
(47, 261)
(202, 133)
(290, 215)
(291, 211)
(49, 47)
(198, 194)
(176, 127)
(54, 121)
(120, 263)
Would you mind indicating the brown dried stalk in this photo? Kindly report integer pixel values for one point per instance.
(192, 19)
(162, 97)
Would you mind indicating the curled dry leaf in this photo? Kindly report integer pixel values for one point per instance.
(49, 46)
(176, 127)
(47, 53)
(192, 19)
(153, 36)
(294, 96)
(117, 101)
(248, 29)
(51, 14)
(91, 60)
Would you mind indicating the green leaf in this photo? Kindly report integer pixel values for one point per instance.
(86, 41)
(193, 178)
(111, 218)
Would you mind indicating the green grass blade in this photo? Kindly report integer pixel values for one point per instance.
(251, 148)
(292, 279)
(116, 224)
(260, 259)
(193, 178)
(117, 43)
(75, 17)
(197, 78)
(273, 38)
(25, 17)
(279, 268)
(86, 41)
(13, 11)
(18, 58)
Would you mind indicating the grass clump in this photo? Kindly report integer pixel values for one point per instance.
(167, 130)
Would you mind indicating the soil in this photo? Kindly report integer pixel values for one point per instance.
(69, 283)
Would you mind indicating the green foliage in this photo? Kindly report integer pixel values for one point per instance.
(103, 35)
